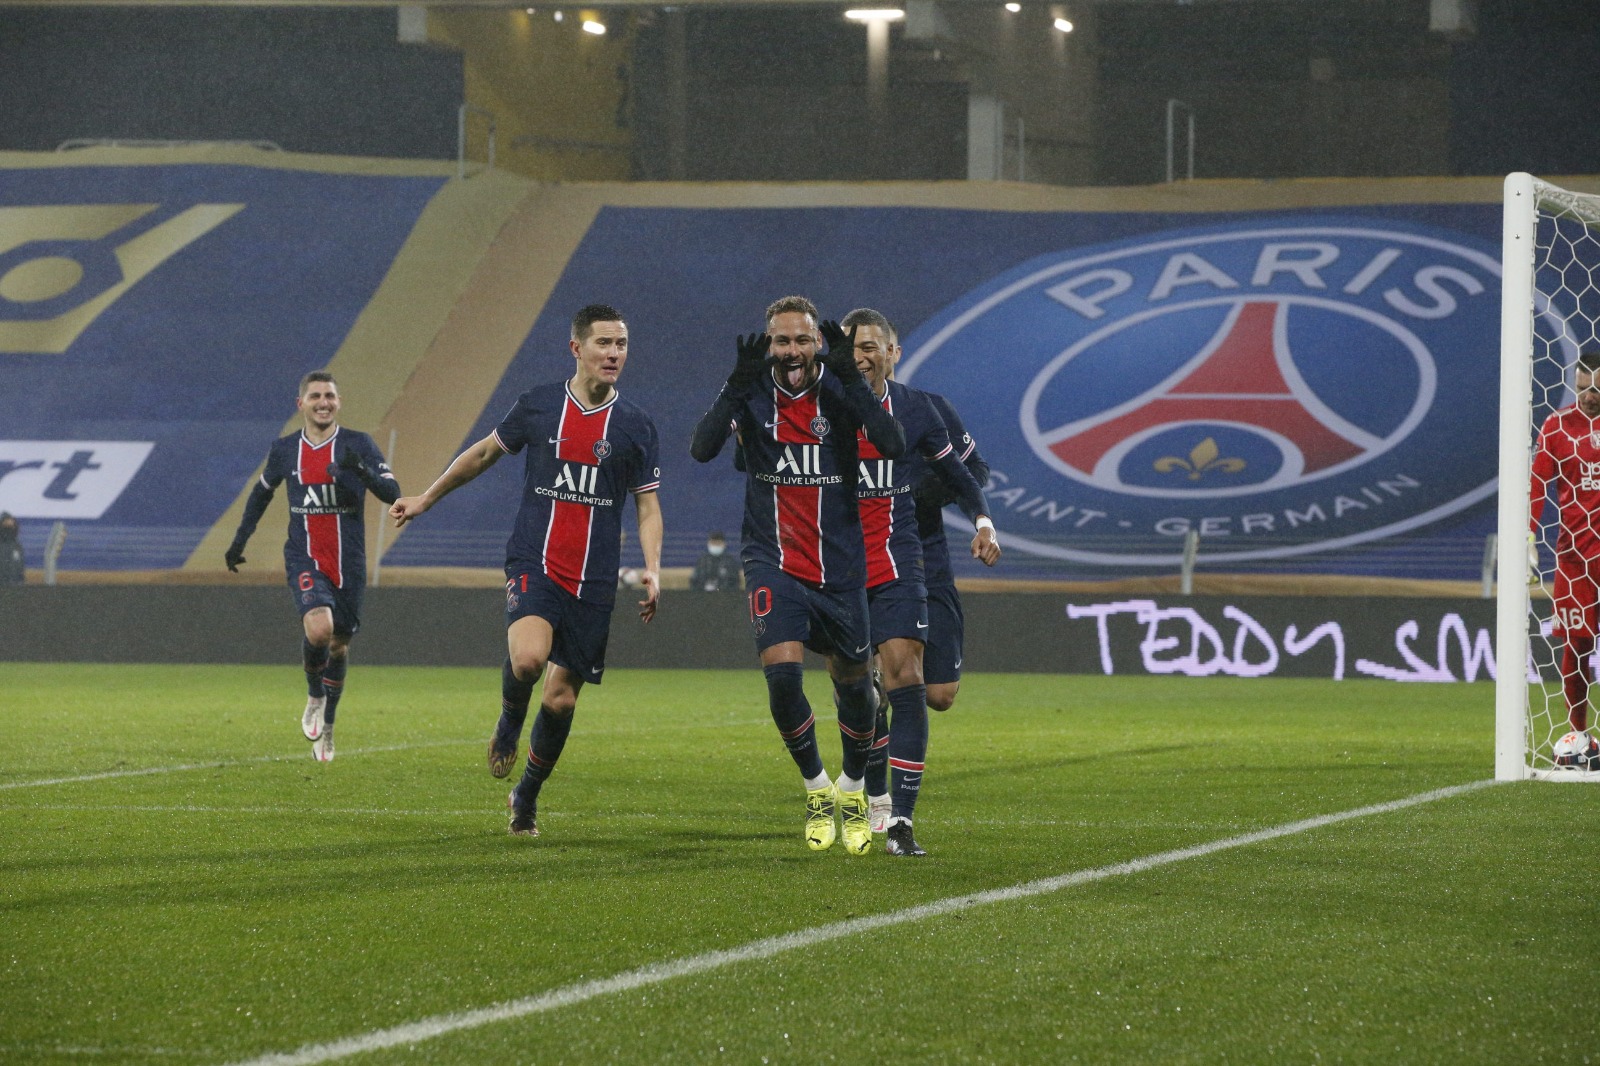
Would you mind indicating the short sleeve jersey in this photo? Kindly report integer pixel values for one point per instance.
(888, 512)
(580, 467)
(1569, 453)
(930, 519)
(800, 513)
(327, 531)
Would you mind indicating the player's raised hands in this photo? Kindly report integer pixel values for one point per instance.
(752, 361)
(986, 546)
(841, 354)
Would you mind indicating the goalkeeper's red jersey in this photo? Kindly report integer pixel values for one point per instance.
(1569, 454)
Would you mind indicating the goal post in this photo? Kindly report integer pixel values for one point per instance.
(1550, 310)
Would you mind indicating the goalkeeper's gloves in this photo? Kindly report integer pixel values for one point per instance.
(841, 354)
(1534, 579)
(752, 361)
(233, 557)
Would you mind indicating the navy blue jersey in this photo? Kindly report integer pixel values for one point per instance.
(932, 496)
(800, 510)
(580, 468)
(327, 531)
(888, 513)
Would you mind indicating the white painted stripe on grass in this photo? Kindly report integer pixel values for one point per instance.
(220, 764)
(658, 972)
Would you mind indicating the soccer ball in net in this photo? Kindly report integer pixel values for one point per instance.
(1578, 750)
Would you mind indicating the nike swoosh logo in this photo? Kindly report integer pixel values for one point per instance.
(771, 425)
(861, 649)
(922, 625)
(958, 664)
(557, 440)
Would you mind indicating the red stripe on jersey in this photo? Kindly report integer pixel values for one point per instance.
(799, 507)
(324, 535)
(567, 539)
(877, 514)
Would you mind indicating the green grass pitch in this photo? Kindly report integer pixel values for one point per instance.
(243, 900)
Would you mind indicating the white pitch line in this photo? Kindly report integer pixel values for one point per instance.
(220, 764)
(658, 972)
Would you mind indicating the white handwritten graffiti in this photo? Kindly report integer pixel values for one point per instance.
(1179, 640)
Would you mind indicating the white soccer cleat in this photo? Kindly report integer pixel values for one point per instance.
(311, 720)
(878, 808)
(322, 747)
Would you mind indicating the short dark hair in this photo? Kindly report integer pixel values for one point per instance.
(1589, 361)
(314, 376)
(589, 314)
(866, 316)
(785, 304)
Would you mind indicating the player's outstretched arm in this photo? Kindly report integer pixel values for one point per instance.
(648, 507)
(468, 465)
(255, 505)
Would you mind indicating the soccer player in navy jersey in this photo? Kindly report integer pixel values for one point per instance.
(941, 658)
(896, 594)
(588, 450)
(330, 470)
(799, 419)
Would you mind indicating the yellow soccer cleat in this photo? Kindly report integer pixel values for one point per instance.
(855, 813)
(820, 828)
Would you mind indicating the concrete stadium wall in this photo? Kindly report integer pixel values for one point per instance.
(1406, 639)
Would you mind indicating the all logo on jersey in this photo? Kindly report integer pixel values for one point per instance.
(579, 478)
(875, 474)
(1287, 389)
(62, 265)
(801, 460)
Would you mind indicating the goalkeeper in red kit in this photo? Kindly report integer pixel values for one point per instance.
(1568, 453)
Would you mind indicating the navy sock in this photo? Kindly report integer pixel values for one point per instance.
(878, 758)
(856, 721)
(544, 748)
(791, 713)
(333, 684)
(908, 747)
(315, 660)
(515, 696)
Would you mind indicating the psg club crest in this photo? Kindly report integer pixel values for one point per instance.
(1284, 389)
(602, 448)
(819, 426)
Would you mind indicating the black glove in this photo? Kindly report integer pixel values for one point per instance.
(233, 557)
(752, 360)
(841, 354)
(352, 462)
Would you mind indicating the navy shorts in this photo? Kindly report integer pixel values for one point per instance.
(941, 659)
(830, 622)
(312, 589)
(580, 630)
(898, 608)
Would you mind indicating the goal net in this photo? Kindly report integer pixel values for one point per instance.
(1550, 312)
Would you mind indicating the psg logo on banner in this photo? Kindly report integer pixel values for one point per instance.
(1282, 389)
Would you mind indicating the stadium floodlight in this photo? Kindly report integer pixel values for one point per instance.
(1064, 25)
(1549, 312)
(875, 14)
(596, 28)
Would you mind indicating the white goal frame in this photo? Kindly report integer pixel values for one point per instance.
(1525, 196)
